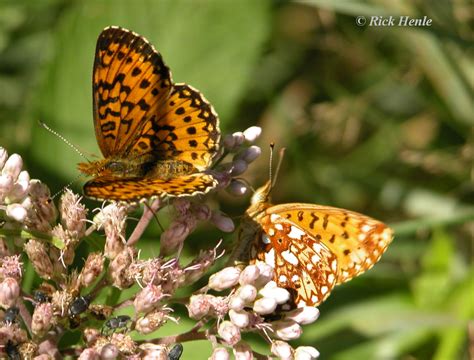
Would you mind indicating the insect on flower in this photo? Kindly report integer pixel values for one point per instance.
(10, 315)
(311, 247)
(118, 323)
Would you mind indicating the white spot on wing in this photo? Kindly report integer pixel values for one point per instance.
(331, 278)
(315, 258)
(282, 279)
(324, 290)
(290, 257)
(295, 278)
(274, 217)
(279, 226)
(270, 257)
(296, 233)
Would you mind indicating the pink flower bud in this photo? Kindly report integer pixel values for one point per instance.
(271, 290)
(304, 315)
(90, 335)
(13, 166)
(9, 292)
(219, 306)
(223, 222)
(306, 353)
(229, 142)
(239, 167)
(73, 213)
(148, 298)
(89, 354)
(242, 351)
(224, 279)
(19, 191)
(282, 350)
(236, 303)
(237, 187)
(109, 352)
(119, 269)
(266, 274)
(229, 333)
(239, 318)
(252, 133)
(41, 320)
(173, 237)
(39, 257)
(42, 357)
(239, 138)
(6, 184)
(247, 293)
(17, 212)
(151, 321)
(3, 157)
(24, 176)
(249, 275)
(199, 306)
(265, 306)
(153, 352)
(287, 329)
(249, 155)
(220, 353)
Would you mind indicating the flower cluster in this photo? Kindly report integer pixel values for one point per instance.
(236, 300)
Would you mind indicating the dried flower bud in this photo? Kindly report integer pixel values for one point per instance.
(199, 306)
(304, 315)
(219, 306)
(9, 292)
(224, 279)
(223, 222)
(109, 352)
(265, 306)
(153, 352)
(152, 321)
(124, 342)
(113, 219)
(252, 133)
(89, 354)
(247, 293)
(282, 350)
(249, 275)
(43, 357)
(11, 266)
(229, 333)
(90, 335)
(239, 318)
(148, 298)
(287, 329)
(39, 257)
(271, 290)
(118, 269)
(16, 212)
(243, 351)
(41, 320)
(306, 353)
(92, 268)
(239, 167)
(220, 353)
(173, 237)
(73, 213)
(237, 187)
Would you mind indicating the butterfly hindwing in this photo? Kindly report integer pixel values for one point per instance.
(301, 262)
(357, 240)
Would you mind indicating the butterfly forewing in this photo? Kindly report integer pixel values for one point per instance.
(130, 83)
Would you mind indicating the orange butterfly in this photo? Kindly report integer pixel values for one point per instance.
(157, 137)
(311, 247)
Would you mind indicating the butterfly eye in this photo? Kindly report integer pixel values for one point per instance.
(115, 166)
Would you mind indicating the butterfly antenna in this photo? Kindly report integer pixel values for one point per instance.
(66, 186)
(280, 160)
(58, 135)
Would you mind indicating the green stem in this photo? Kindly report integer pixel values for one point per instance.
(29, 234)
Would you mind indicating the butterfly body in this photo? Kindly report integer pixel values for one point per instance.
(158, 138)
(311, 247)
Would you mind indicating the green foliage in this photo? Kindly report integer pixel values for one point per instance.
(375, 119)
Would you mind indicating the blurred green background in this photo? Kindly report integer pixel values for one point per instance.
(374, 119)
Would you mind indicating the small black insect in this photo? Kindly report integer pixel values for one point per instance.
(79, 305)
(10, 315)
(116, 323)
(176, 352)
(40, 297)
(12, 351)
